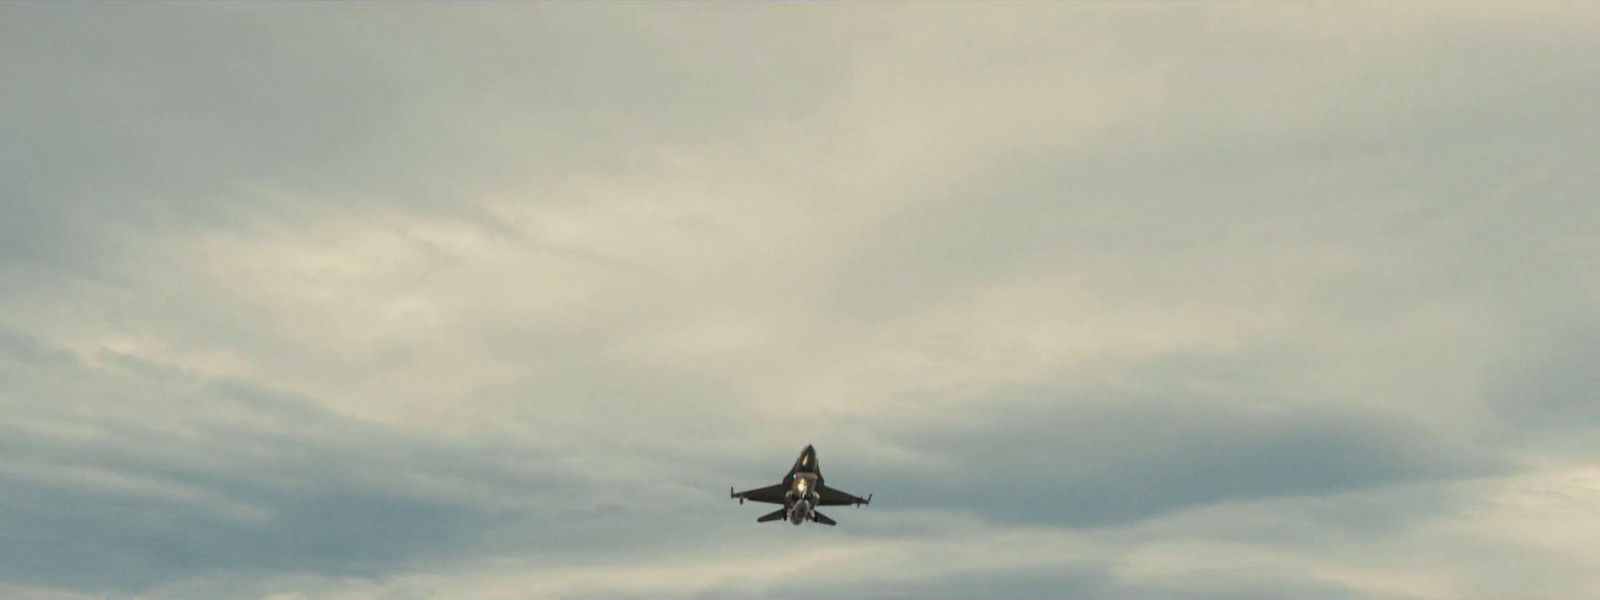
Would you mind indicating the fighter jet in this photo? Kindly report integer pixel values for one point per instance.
(800, 492)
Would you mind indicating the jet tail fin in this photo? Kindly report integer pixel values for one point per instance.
(771, 516)
(823, 519)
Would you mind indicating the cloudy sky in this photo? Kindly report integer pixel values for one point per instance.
(1199, 300)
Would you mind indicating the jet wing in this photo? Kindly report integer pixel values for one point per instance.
(773, 493)
(833, 497)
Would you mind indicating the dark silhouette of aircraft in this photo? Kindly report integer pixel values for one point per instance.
(800, 493)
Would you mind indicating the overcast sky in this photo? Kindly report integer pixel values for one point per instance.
(472, 301)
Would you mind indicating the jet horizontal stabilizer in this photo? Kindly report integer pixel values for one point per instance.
(823, 519)
(772, 516)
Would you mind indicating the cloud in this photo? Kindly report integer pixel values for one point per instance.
(148, 474)
(1199, 301)
(1132, 458)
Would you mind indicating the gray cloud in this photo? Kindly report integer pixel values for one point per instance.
(116, 492)
(1553, 390)
(1124, 458)
(126, 496)
(1057, 581)
(115, 113)
(424, 301)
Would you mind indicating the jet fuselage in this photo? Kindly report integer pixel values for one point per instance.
(800, 512)
(801, 501)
